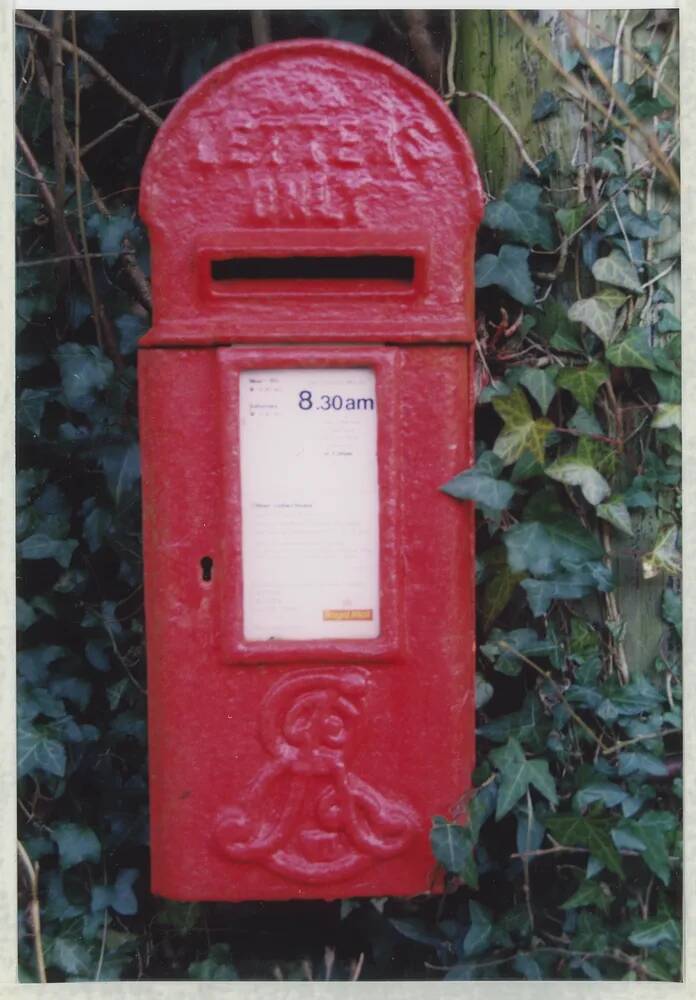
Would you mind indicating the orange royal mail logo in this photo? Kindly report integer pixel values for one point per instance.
(348, 615)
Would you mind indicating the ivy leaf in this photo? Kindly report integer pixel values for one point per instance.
(541, 384)
(590, 832)
(453, 847)
(617, 269)
(584, 422)
(571, 471)
(521, 432)
(668, 386)
(519, 216)
(33, 663)
(638, 762)
(75, 844)
(521, 640)
(589, 894)
(31, 404)
(570, 219)
(84, 372)
(608, 162)
(655, 932)
(554, 325)
(131, 328)
(652, 828)
(70, 955)
(567, 586)
(543, 548)
(583, 383)
(478, 936)
(665, 557)
(74, 689)
(545, 105)
(616, 513)
(119, 896)
(26, 616)
(216, 967)
(599, 791)
(668, 323)
(517, 774)
(121, 465)
(597, 315)
(38, 751)
(509, 270)
(480, 485)
(634, 351)
(497, 593)
(667, 415)
(672, 609)
(40, 546)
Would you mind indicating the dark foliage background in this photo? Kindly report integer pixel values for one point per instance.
(568, 863)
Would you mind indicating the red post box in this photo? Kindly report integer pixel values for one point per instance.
(305, 389)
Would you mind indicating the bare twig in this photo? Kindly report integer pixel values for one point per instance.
(27, 21)
(503, 118)
(91, 288)
(51, 206)
(629, 51)
(658, 157)
(662, 274)
(329, 959)
(613, 618)
(32, 873)
(132, 269)
(623, 229)
(423, 46)
(45, 90)
(54, 260)
(525, 861)
(139, 282)
(58, 130)
(615, 65)
(640, 739)
(128, 120)
(356, 967)
(451, 52)
(24, 80)
(654, 150)
(559, 691)
(102, 950)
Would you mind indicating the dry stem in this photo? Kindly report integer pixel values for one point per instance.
(656, 154)
(27, 21)
(32, 873)
(423, 46)
(517, 139)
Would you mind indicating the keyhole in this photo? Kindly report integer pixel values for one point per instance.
(206, 569)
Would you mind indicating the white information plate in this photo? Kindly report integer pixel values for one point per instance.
(310, 503)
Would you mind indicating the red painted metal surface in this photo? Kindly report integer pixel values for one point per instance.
(290, 769)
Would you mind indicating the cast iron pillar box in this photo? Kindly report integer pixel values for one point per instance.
(305, 389)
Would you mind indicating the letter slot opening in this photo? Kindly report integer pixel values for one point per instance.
(314, 273)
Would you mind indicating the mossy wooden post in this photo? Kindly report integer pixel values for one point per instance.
(494, 58)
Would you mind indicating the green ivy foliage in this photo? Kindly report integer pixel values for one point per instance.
(565, 862)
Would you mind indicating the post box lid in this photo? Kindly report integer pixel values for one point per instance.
(308, 191)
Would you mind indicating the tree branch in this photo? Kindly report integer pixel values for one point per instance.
(27, 21)
(423, 46)
(517, 139)
(58, 130)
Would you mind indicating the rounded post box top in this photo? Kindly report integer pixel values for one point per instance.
(316, 174)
